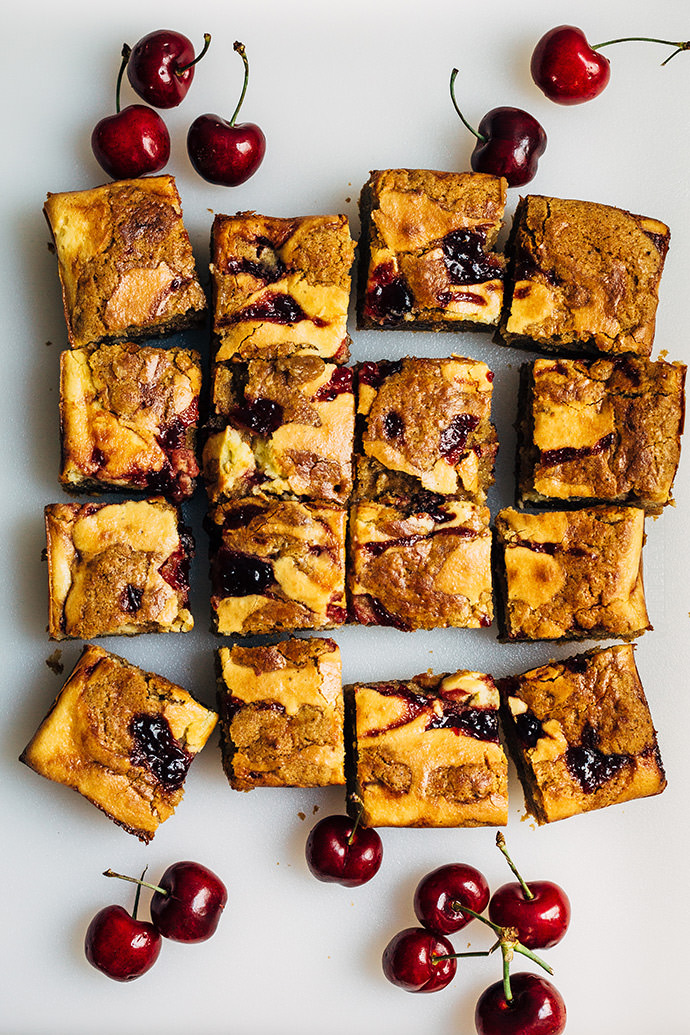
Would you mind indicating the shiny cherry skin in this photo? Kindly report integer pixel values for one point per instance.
(189, 902)
(131, 143)
(120, 946)
(154, 67)
(223, 153)
(336, 855)
(408, 960)
(442, 892)
(537, 1008)
(541, 921)
(513, 143)
(566, 68)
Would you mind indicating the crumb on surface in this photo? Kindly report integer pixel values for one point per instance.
(54, 664)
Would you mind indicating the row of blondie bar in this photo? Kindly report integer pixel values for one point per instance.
(419, 752)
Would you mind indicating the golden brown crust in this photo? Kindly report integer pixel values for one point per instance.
(281, 428)
(277, 566)
(116, 569)
(281, 286)
(125, 261)
(426, 426)
(420, 565)
(605, 430)
(584, 277)
(281, 709)
(425, 752)
(90, 740)
(426, 258)
(581, 734)
(571, 575)
(128, 417)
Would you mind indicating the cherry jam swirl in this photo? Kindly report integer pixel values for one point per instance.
(155, 748)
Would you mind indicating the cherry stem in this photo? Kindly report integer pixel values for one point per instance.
(239, 48)
(453, 77)
(437, 958)
(136, 897)
(648, 39)
(356, 823)
(507, 937)
(126, 51)
(136, 880)
(207, 44)
(501, 844)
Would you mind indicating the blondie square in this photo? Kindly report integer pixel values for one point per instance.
(420, 563)
(123, 738)
(281, 714)
(425, 752)
(125, 261)
(128, 419)
(426, 250)
(571, 574)
(281, 428)
(281, 286)
(583, 277)
(117, 569)
(602, 430)
(424, 424)
(581, 734)
(276, 565)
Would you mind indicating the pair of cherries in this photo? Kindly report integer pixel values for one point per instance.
(135, 140)
(568, 70)
(524, 916)
(186, 906)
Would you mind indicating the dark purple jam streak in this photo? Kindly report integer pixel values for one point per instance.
(276, 308)
(529, 728)
(466, 260)
(369, 610)
(239, 517)
(374, 374)
(389, 298)
(156, 748)
(236, 574)
(268, 272)
(393, 425)
(481, 723)
(590, 766)
(551, 457)
(262, 416)
(341, 381)
(454, 438)
(131, 598)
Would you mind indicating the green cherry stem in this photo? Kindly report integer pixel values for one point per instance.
(139, 881)
(356, 823)
(648, 39)
(126, 51)
(207, 44)
(239, 48)
(507, 937)
(453, 77)
(138, 893)
(501, 844)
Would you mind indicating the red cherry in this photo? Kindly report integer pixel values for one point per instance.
(440, 896)
(536, 1008)
(541, 921)
(409, 960)
(188, 902)
(510, 142)
(340, 852)
(121, 946)
(132, 142)
(566, 68)
(221, 151)
(161, 67)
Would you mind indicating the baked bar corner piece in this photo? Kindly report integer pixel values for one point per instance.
(570, 575)
(281, 714)
(281, 287)
(125, 261)
(128, 419)
(600, 431)
(280, 428)
(117, 569)
(581, 734)
(582, 278)
(123, 738)
(425, 752)
(420, 563)
(425, 425)
(276, 566)
(426, 250)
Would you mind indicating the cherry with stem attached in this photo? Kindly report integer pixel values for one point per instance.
(340, 851)
(510, 142)
(538, 910)
(568, 70)
(119, 945)
(161, 67)
(441, 896)
(134, 140)
(223, 151)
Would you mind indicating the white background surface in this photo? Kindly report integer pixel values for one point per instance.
(339, 89)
